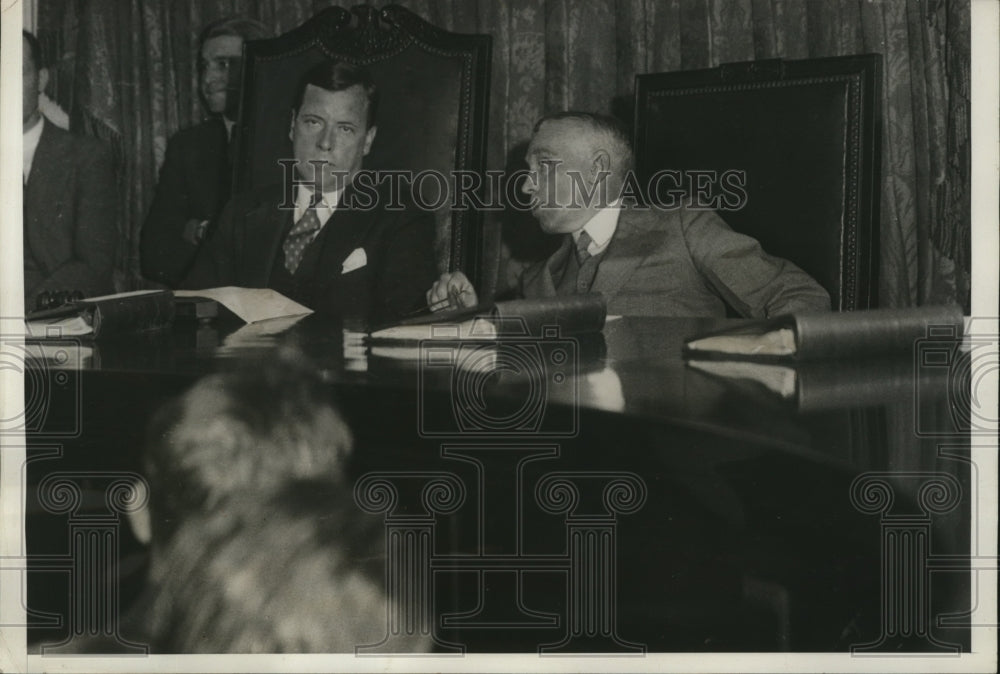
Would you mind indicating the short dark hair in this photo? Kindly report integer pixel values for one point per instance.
(337, 76)
(35, 47)
(236, 26)
(611, 127)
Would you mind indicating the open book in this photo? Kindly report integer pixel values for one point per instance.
(831, 335)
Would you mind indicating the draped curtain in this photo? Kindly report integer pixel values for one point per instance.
(126, 71)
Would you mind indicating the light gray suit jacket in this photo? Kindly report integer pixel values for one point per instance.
(684, 263)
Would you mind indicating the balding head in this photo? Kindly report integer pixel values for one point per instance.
(598, 132)
(578, 162)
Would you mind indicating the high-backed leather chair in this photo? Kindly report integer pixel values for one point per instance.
(791, 151)
(434, 97)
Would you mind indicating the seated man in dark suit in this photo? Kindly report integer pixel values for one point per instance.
(70, 199)
(319, 239)
(196, 176)
(646, 261)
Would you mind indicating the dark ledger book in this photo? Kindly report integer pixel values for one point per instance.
(853, 334)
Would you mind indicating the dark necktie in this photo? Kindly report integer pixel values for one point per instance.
(582, 244)
(588, 263)
(300, 236)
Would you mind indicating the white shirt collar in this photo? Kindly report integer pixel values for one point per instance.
(324, 209)
(229, 126)
(31, 138)
(601, 228)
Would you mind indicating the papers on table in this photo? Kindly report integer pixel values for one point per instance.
(251, 304)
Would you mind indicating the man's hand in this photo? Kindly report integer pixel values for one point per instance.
(194, 231)
(451, 291)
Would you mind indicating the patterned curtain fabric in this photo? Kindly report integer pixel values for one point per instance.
(126, 71)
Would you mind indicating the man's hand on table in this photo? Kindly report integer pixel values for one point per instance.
(452, 291)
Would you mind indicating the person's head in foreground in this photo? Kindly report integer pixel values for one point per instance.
(301, 572)
(247, 431)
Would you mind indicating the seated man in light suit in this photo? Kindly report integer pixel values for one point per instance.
(340, 250)
(645, 261)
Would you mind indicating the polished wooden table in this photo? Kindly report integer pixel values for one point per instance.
(607, 496)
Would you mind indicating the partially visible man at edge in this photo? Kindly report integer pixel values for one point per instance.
(196, 176)
(70, 199)
(645, 261)
(340, 251)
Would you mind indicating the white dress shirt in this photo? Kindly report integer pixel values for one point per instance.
(324, 209)
(601, 228)
(31, 138)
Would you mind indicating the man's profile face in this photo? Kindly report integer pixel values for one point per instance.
(331, 127)
(219, 70)
(556, 151)
(31, 84)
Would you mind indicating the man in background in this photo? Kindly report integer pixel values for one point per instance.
(196, 176)
(645, 261)
(70, 199)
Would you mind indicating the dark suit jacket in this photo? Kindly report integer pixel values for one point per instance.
(684, 263)
(70, 216)
(194, 184)
(398, 245)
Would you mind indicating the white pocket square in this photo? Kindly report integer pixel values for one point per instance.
(356, 260)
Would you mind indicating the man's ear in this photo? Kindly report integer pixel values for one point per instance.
(43, 79)
(140, 521)
(369, 139)
(600, 165)
(291, 127)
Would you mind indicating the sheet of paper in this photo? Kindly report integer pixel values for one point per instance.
(477, 328)
(54, 328)
(118, 296)
(779, 342)
(250, 304)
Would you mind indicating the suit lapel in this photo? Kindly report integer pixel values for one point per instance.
(45, 167)
(629, 246)
(343, 233)
(266, 227)
(46, 187)
(539, 279)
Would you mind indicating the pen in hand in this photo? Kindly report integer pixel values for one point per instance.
(455, 300)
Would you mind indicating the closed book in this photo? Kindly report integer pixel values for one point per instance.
(829, 335)
(108, 315)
